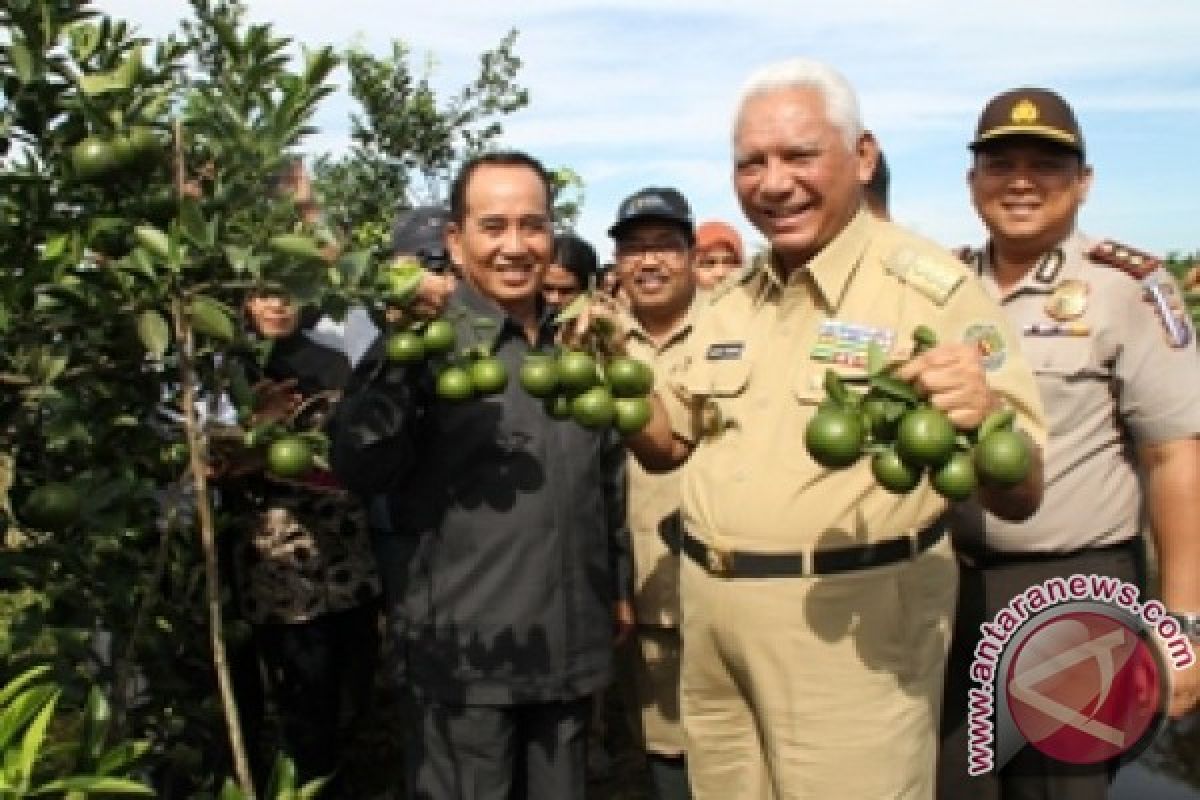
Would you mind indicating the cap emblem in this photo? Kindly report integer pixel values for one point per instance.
(1024, 113)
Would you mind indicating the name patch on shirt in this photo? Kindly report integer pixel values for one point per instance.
(725, 351)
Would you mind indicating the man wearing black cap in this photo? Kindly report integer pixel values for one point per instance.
(655, 236)
(1118, 372)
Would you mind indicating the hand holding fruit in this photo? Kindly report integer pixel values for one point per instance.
(951, 378)
(908, 437)
(274, 401)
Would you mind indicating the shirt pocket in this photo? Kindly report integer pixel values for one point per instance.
(715, 393)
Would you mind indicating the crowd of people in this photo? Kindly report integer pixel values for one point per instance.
(781, 630)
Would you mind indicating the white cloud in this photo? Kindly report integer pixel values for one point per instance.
(635, 91)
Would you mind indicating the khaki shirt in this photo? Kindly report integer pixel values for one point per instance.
(654, 498)
(1107, 377)
(757, 360)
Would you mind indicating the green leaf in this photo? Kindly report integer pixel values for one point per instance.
(18, 684)
(156, 242)
(894, 387)
(876, 358)
(231, 791)
(96, 718)
(835, 389)
(35, 734)
(95, 784)
(573, 309)
(97, 84)
(154, 332)
(22, 60)
(191, 219)
(283, 776)
(121, 757)
(211, 318)
(353, 267)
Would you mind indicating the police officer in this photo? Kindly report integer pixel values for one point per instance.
(1115, 367)
(816, 605)
(655, 236)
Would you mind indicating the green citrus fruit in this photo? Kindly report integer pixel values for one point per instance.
(289, 457)
(593, 408)
(439, 337)
(488, 375)
(454, 384)
(405, 347)
(925, 437)
(94, 158)
(143, 143)
(955, 479)
(558, 406)
(576, 371)
(892, 473)
(630, 414)
(834, 437)
(1002, 458)
(539, 376)
(51, 507)
(628, 377)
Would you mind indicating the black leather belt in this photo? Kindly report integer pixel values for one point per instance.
(740, 564)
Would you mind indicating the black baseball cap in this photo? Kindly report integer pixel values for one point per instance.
(420, 232)
(1029, 111)
(654, 203)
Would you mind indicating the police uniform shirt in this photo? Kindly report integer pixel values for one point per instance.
(753, 378)
(1110, 382)
(654, 498)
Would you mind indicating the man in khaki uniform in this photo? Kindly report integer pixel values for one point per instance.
(655, 239)
(1114, 366)
(816, 605)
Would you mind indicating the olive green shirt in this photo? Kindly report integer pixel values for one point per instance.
(754, 368)
(654, 498)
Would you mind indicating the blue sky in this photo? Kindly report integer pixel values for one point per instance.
(640, 92)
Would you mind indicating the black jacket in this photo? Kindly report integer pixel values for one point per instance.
(514, 524)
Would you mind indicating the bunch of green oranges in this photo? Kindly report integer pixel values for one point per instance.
(461, 374)
(574, 384)
(908, 439)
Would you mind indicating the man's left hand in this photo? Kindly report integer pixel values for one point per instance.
(951, 376)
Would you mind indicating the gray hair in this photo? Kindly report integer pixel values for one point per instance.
(841, 103)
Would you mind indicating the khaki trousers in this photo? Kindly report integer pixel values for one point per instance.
(816, 688)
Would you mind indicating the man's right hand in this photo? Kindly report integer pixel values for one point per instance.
(431, 299)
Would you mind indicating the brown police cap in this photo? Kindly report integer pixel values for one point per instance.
(1029, 112)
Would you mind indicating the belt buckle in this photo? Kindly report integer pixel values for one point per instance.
(718, 560)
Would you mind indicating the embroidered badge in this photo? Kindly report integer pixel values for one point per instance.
(1068, 301)
(935, 280)
(986, 338)
(846, 343)
(725, 351)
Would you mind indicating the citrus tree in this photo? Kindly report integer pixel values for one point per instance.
(135, 194)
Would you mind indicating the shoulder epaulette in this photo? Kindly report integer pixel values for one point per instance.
(1129, 260)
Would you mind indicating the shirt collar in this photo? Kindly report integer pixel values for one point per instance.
(483, 307)
(832, 267)
(636, 331)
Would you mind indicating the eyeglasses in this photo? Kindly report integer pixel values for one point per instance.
(671, 246)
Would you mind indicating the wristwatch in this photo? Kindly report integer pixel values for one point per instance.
(1189, 623)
